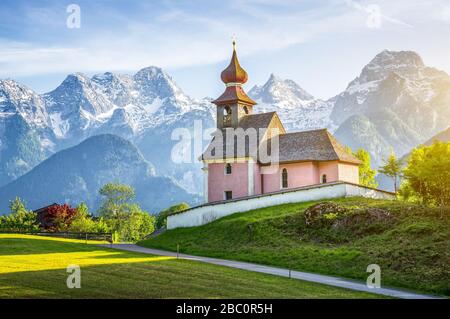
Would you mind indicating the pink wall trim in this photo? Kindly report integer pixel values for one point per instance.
(299, 174)
(348, 173)
(218, 182)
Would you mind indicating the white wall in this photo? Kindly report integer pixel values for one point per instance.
(207, 213)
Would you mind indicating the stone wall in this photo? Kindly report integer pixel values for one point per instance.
(207, 213)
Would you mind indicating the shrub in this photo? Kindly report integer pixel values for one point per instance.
(161, 218)
(60, 217)
(125, 219)
(19, 219)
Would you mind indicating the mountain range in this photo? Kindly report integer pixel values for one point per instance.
(77, 173)
(394, 104)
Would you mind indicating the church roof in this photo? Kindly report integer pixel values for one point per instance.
(256, 121)
(315, 145)
(234, 94)
(234, 73)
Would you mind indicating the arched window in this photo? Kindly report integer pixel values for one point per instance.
(228, 169)
(245, 110)
(284, 178)
(227, 116)
(227, 110)
(324, 178)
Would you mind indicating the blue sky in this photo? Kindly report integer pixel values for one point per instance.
(322, 45)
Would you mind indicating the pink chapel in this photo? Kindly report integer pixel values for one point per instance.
(304, 158)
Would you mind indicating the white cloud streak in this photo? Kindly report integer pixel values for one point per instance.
(178, 38)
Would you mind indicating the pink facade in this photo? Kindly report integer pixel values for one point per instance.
(219, 182)
(298, 174)
(309, 157)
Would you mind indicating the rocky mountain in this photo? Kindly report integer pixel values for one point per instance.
(141, 107)
(298, 109)
(25, 137)
(443, 136)
(395, 103)
(76, 174)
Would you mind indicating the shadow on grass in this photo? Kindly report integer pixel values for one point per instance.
(163, 279)
(42, 245)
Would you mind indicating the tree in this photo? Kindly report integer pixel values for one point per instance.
(366, 173)
(124, 217)
(393, 168)
(19, 219)
(60, 217)
(161, 218)
(428, 173)
(115, 195)
(84, 222)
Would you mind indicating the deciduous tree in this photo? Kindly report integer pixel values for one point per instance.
(393, 168)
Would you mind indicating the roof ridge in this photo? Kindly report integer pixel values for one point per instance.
(336, 144)
(307, 131)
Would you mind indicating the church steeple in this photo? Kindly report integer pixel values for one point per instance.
(234, 102)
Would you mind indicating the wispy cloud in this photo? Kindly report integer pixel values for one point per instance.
(178, 35)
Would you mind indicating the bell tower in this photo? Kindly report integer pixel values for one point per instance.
(234, 103)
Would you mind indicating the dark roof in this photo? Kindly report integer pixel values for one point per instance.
(315, 145)
(234, 94)
(256, 121)
(44, 209)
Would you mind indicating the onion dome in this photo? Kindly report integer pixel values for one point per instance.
(233, 77)
(234, 73)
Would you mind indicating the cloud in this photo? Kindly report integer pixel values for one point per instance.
(179, 36)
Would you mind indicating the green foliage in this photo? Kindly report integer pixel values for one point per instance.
(428, 174)
(33, 267)
(392, 167)
(409, 241)
(161, 218)
(115, 195)
(19, 218)
(83, 222)
(366, 173)
(126, 219)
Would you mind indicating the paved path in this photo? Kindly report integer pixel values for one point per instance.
(327, 280)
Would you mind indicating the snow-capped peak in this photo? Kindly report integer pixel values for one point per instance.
(16, 98)
(297, 108)
(277, 90)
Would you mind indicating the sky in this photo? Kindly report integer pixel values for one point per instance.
(320, 44)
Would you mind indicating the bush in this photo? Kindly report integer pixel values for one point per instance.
(83, 222)
(125, 219)
(19, 219)
(60, 217)
(161, 218)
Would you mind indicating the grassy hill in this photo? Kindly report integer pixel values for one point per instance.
(410, 243)
(35, 267)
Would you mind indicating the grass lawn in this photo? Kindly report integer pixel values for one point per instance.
(412, 247)
(35, 267)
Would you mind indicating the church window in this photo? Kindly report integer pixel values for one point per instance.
(245, 110)
(324, 178)
(228, 169)
(284, 178)
(227, 115)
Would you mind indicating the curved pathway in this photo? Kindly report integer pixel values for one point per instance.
(321, 279)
